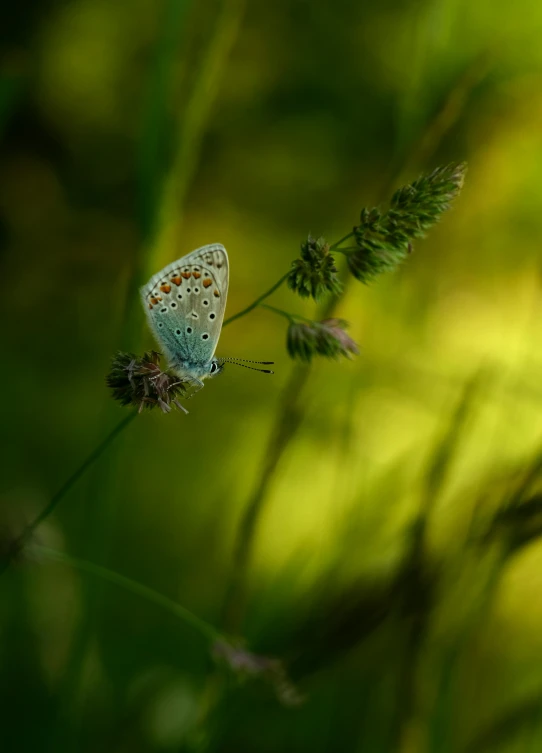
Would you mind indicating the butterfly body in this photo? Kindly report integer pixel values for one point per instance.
(185, 304)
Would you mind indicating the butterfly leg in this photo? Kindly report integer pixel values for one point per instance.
(199, 385)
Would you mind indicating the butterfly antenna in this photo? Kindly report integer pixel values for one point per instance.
(244, 361)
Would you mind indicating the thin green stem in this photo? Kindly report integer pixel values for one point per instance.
(291, 317)
(346, 250)
(290, 414)
(276, 286)
(338, 243)
(257, 302)
(134, 587)
(68, 484)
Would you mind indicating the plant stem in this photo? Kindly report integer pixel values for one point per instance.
(156, 131)
(291, 317)
(338, 243)
(134, 587)
(276, 286)
(65, 488)
(257, 302)
(152, 159)
(346, 250)
(288, 419)
(211, 68)
(289, 415)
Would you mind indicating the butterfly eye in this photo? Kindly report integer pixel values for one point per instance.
(214, 367)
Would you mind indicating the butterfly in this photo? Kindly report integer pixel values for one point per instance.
(185, 304)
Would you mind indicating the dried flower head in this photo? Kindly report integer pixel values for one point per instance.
(327, 338)
(384, 239)
(246, 665)
(139, 381)
(314, 274)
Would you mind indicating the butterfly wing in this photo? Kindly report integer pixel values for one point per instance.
(185, 304)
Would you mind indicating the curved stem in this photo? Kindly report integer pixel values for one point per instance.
(338, 243)
(134, 586)
(280, 312)
(276, 286)
(291, 317)
(257, 302)
(65, 488)
(346, 250)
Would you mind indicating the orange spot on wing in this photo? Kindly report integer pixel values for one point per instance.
(177, 280)
(186, 275)
(216, 293)
(197, 275)
(207, 282)
(165, 288)
(155, 300)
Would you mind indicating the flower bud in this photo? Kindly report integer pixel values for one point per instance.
(327, 338)
(314, 274)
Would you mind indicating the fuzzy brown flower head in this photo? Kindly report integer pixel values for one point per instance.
(327, 338)
(139, 381)
(314, 274)
(384, 239)
(246, 665)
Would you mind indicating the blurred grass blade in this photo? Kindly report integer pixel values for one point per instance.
(192, 127)
(133, 586)
(509, 726)
(11, 88)
(158, 125)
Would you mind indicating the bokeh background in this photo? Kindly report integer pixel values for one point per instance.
(395, 566)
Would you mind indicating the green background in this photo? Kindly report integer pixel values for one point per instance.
(134, 132)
